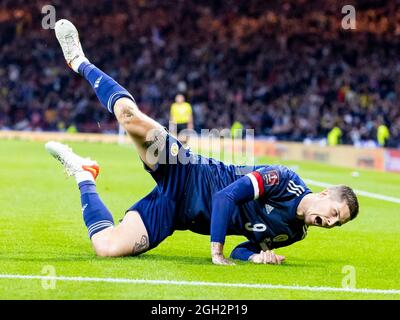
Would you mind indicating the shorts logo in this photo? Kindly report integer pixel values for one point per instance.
(280, 238)
(174, 149)
(271, 178)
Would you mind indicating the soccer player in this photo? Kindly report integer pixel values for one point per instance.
(270, 205)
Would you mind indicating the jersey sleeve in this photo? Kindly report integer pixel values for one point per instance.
(269, 181)
(245, 250)
(275, 183)
(223, 205)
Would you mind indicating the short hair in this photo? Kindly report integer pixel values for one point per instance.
(347, 194)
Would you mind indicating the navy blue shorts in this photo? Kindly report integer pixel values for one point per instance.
(158, 209)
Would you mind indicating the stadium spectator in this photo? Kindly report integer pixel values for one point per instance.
(289, 76)
(334, 136)
(181, 116)
(383, 135)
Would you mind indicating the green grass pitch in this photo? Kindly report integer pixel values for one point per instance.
(41, 227)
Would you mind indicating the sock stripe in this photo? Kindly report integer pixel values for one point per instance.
(90, 230)
(95, 225)
(109, 102)
(99, 228)
(95, 214)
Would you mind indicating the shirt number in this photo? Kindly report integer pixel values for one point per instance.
(257, 227)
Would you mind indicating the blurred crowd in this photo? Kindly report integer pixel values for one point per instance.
(284, 68)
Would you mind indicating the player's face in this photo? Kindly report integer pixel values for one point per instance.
(327, 212)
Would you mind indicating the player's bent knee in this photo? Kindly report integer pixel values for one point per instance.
(108, 250)
(128, 238)
(134, 121)
(126, 111)
(105, 246)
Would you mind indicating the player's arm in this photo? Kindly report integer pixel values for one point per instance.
(245, 250)
(224, 203)
(248, 251)
(264, 182)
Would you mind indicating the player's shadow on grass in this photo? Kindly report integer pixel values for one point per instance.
(290, 263)
(293, 262)
(28, 257)
(64, 258)
(177, 259)
(313, 263)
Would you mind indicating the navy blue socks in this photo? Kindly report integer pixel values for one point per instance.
(106, 88)
(96, 215)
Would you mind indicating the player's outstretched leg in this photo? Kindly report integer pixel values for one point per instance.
(129, 237)
(116, 99)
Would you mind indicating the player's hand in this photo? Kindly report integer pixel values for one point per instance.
(267, 257)
(217, 254)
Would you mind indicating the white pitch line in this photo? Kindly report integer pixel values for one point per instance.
(200, 283)
(360, 192)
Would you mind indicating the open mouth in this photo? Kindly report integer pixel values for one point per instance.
(318, 221)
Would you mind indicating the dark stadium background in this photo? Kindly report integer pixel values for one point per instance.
(285, 68)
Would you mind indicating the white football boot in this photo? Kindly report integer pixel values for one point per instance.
(74, 165)
(68, 37)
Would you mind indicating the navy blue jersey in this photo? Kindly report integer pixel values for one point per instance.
(272, 221)
(209, 197)
(266, 214)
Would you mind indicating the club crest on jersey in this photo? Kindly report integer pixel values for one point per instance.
(271, 178)
(280, 238)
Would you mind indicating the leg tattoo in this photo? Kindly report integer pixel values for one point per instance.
(141, 246)
(154, 144)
